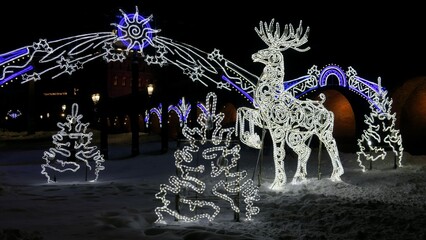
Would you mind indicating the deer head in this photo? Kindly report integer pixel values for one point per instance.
(278, 42)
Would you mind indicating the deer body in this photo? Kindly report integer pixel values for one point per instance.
(288, 119)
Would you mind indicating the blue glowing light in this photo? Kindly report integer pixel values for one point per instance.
(290, 83)
(333, 70)
(238, 88)
(203, 108)
(6, 57)
(128, 22)
(16, 74)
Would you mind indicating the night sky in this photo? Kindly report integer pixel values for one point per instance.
(384, 41)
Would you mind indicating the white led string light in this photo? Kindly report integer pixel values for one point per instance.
(218, 155)
(380, 122)
(289, 120)
(72, 138)
(134, 32)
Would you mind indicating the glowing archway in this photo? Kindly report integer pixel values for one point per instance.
(349, 79)
(134, 33)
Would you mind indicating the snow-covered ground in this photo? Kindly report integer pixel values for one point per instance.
(382, 203)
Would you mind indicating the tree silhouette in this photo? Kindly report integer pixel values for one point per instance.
(72, 148)
(197, 194)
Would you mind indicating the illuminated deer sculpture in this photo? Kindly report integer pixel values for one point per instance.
(288, 119)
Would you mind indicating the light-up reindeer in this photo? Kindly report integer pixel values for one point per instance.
(288, 119)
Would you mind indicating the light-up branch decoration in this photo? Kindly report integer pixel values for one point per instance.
(182, 109)
(380, 133)
(72, 148)
(193, 187)
(288, 119)
(157, 111)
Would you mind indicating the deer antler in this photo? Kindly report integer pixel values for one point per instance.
(289, 38)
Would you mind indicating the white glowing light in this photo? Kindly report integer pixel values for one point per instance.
(380, 122)
(134, 33)
(72, 140)
(289, 120)
(224, 182)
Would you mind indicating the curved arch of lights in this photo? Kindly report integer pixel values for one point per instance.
(52, 59)
(182, 109)
(332, 70)
(157, 111)
(67, 55)
(348, 79)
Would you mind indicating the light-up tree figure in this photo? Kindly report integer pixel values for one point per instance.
(381, 132)
(194, 187)
(288, 119)
(72, 147)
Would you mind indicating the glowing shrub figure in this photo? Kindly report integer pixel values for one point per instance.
(198, 194)
(380, 133)
(72, 148)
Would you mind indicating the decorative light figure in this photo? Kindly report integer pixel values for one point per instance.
(156, 111)
(135, 31)
(13, 114)
(67, 55)
(72, 138)
(146, 118)
(289, 120)
(206, 110)
(224, 173)
(182, 110)
(380, 122)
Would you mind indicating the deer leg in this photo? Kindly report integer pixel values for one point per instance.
(330, 144)
(297, 142)
(278, 142)
(250, 137)
(279, 155)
